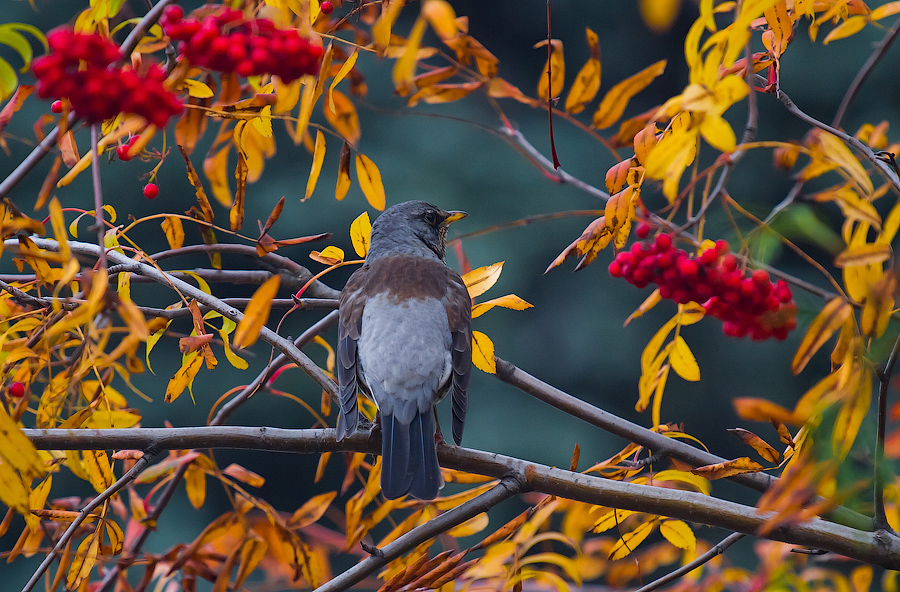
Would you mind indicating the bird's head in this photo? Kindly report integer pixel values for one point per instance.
(412, 228)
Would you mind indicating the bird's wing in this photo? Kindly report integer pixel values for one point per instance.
(350, 310)
(459, 315)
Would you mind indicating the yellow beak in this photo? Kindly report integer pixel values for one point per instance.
(454, 216)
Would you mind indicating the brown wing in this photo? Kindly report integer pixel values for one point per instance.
(459, 316)
(350, 312)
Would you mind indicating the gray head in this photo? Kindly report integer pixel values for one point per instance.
(411, 228)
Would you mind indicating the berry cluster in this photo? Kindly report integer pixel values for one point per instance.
(751, 306)
(80, 68)
(230, 42)
(123, 151)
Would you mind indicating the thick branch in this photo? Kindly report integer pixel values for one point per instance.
(878, 548)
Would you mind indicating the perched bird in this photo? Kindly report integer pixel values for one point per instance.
(404, 340)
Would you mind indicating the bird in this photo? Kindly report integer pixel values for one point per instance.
(405, 341)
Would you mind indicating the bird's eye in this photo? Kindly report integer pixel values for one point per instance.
(431, 218)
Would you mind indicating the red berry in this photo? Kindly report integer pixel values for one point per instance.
(761, 276)
(722, 246)
(16, 389)
(708, 257)
(151, 190)
(643, 230)
(56, 106)
(688, 267)
(729, 262)
(173, 13)
(326, 7)
(615, 269)
(122, 152)
(664, 241)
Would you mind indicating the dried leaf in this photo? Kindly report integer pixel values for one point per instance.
(553, 75)
(758, 444)
(728, 468)
(317, 160)
(820, 330)
(257, 313)
(616, 99)
(587, 82)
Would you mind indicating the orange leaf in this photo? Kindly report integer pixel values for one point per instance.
(343, 180)
(630, 540)
(509, 301)
(728, 468)
(755, 409)
(244, 475)
(587, 82)
(616, 99)
(312, 510)
(330, 255)
(174, 230)
(318, 159)
(553, 75)
(257, 313)
(758, 444)
(820, 330)
(405, 68)
(343, 117)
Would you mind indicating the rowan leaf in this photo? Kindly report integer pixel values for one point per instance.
(587, 82)
(820, 330)
(345, 69)
(328, 256)
(553, 75)
(879, 305)
(343, 180)
(174, 231)
(16, 450)
(312, 510)
(369, 178)
(728, 468)
(758, 444)
(630, 540)
(257, 313)
(317, 160)
(341, 114)
(679, 534)
(84, 560)
(851, 26)
(478, 281)
(863, 254)
(404, 72)
(613, 104)
(483, 353)
(509, 301)
(683, 362)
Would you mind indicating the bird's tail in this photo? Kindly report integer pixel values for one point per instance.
(409, 458)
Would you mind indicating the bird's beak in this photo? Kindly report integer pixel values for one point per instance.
(454, 216)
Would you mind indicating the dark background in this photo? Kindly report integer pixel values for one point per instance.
(573, 338)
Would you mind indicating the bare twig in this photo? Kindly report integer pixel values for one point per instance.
(508, 487)
(700, 560)
(129, 476)
(878, 548)
(863, 74)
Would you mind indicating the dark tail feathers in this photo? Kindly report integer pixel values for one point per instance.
(409, 458)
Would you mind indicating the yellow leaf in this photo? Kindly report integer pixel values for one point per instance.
(478, 281)
(257, 313)
(341, 114)
(57, 221)
(13, 492)
(652, 300)
(381, 30)
(111, 419)
(683, 362)
(441, 17)
(233, 359)
(133, 317)
(701, 484)
(820, 330)
(369, 179)
(509, 301)
(318, 159)
(851, 26)
(404, 72)
(185, 376)
(718, 132)
(838, 152)
(312, 510)
(553, 75)
(781, 25)
(215, 168)
(851, 416)
(659, 15)
(587, 82)
(99, 471)
(879, 305)
(328, 256)
(630, 541)
(343, 180)
(252, 553)
(863, 254)
(483, 353)
(198, 89)
(611, 518)
(649, 355)
(679, 534)
(361, 234)
(174, 230)
(471, 526)
(16, 450)
(616, 99)
(83, 562)
(342, 73)
(885, 10)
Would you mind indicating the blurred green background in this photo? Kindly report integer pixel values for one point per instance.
(573, 338)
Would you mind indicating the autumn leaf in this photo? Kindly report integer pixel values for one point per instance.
(257, 313)
(369, 179)
(587, 82)
(478, 281)
(683, 362)
(728, 468)
(630, 540)
(318, 159)
(343, 180)
(820, 330)
(553, 75)
(679, 534)
(483, 353)
(341, 114)
(328, 256)
(509, 301)
(758, 444)
(613, 104)
(361, 234)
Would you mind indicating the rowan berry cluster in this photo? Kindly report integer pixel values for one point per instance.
(80, 68)
(751, 305)
(231, 42)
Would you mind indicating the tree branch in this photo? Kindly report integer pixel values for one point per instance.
(879, 548)
(689, 567)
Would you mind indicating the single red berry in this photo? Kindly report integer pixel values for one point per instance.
(761, 276)
(643, 230)
(122, 152)
(56, 106)
(664, 241)
(729, 262)
(173, 13)
(688, 267)
(326, 7)
(615, 269)
(708, 257)
(722, 246)
(16, 389)
(151, 190)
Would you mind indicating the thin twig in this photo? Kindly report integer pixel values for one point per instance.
(98, 196)
(879, 520)
(700, 560)
(861, 76)
(508, 487)
(129, 476)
